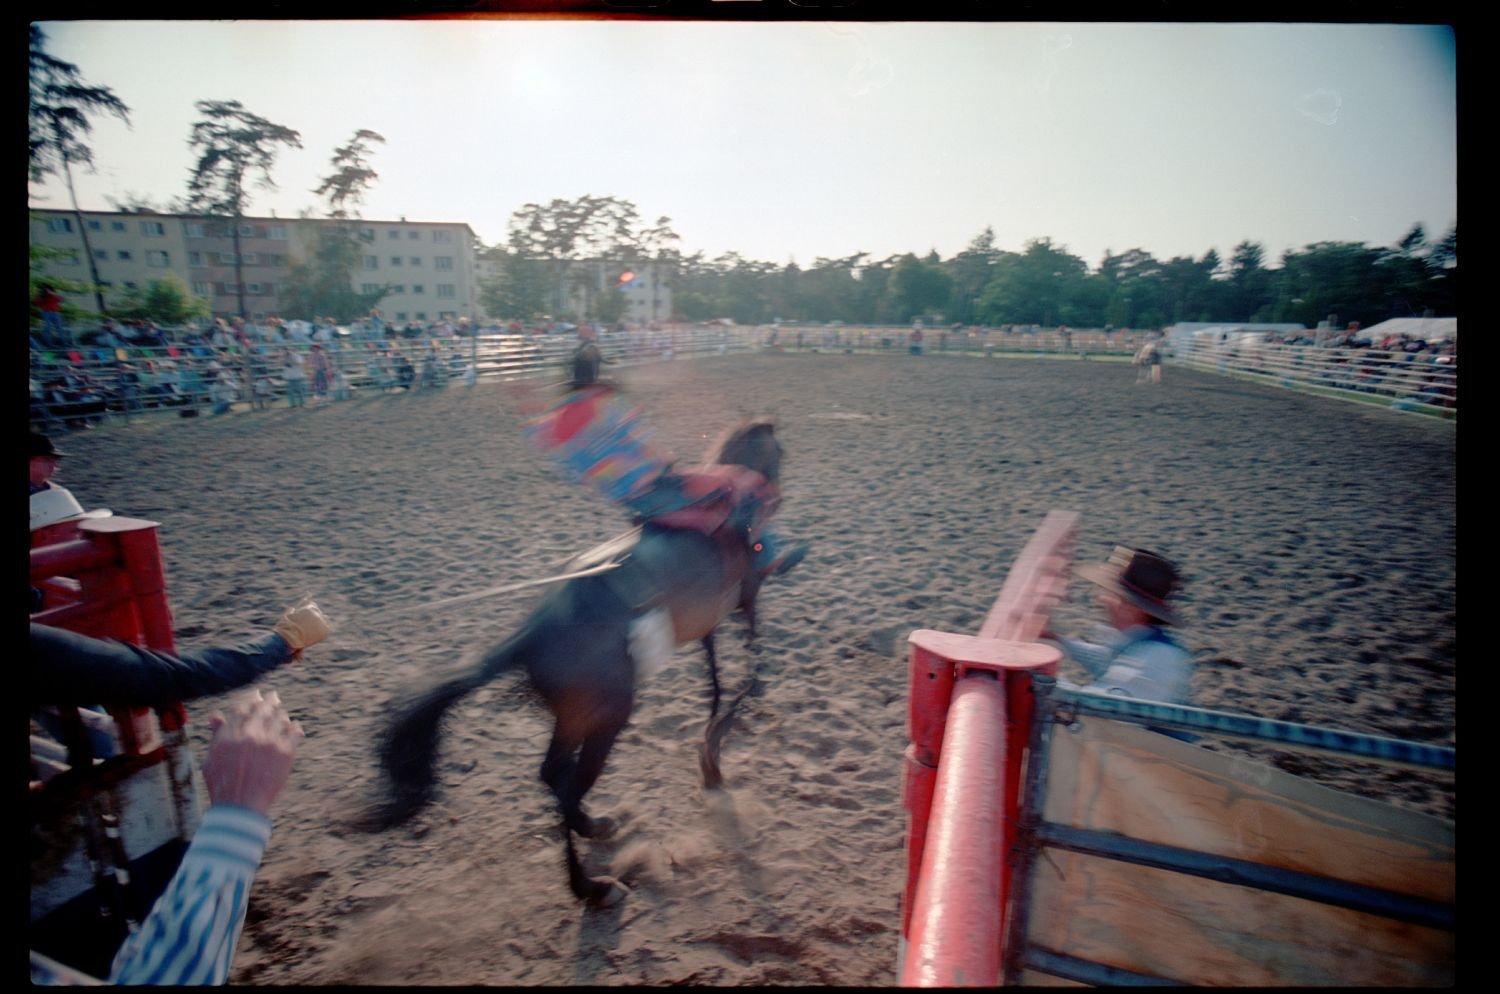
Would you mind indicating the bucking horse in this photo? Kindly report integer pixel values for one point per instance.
(584, 647)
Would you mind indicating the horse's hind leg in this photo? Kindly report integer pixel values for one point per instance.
(598, 891)
(571, 776)
(570, 779)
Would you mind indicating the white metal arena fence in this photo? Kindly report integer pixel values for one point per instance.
(178, 378)
(1410, 381)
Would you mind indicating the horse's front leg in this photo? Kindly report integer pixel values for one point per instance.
(749, 590)
(713, 732)
(713, 672)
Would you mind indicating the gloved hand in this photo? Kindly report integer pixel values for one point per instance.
(303, 624)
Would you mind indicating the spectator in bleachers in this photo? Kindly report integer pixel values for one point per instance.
(191, 386)
(223, 388)
(432, 371)
(50, 303)
(129, 386)
(262, 392)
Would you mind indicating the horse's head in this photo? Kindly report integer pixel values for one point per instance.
(752, 444)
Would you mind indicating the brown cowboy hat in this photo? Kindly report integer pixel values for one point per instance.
(1143, 578)
(41, 445)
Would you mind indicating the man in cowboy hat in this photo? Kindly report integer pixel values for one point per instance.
(1139, 658)
(51, 505)
(44, 458)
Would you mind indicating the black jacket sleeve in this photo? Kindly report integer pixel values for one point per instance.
(68, 668)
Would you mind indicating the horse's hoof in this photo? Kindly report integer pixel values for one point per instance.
(597, 829)
(606, 892)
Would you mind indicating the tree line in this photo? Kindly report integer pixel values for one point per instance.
(550, 261)
(1042, 284)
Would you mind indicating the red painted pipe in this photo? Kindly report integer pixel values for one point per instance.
(916, 798)
(955, 924)
(929, 691)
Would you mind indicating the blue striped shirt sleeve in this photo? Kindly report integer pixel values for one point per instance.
(190, 935)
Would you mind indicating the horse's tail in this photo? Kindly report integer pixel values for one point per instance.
(409, 749)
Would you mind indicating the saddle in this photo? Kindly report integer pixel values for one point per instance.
(719, 488)
(643, 572)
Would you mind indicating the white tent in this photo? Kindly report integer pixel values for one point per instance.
(1427, 329)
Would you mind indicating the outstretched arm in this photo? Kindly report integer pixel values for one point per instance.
(69, 668)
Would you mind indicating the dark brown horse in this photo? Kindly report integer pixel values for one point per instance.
(582, 648)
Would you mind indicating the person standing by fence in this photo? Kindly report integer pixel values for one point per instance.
(322, 372)
(295, 377)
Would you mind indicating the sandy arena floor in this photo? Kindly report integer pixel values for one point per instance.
(1317, 540)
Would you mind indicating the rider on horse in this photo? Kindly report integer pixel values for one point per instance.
(598, 438)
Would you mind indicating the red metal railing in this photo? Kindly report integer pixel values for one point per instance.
(969, 719)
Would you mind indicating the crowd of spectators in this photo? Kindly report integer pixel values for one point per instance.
(133, 366)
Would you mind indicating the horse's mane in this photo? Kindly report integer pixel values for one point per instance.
(731, 438)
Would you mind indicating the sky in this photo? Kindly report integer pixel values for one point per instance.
(790, 141)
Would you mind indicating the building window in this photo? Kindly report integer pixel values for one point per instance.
(418, 288)
(106, 284)
(278, 232)
(398, 288)
(203, 289)
(446, 290)
(371, 262)
(395, 260)
(421, 315)
(101, 254)
(131, 285)
(369, 288)
(247, 230)
(96, 226)
(443, 262)
(153, 228)
(413, 235)
(394, 233)
(59, 224)
(193, 229)
(195, 258)
(251, 258)
(442, 236)
(122, 255)
(117, 226)
(71, 259)
(368, 234)
(416, 261)
(161, 260)
(275, 259)
(254, 288)
(400, 315)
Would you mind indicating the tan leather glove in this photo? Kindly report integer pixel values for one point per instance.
(303, 625)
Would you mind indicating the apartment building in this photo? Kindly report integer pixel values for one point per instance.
(429, 266)
(648, 293)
